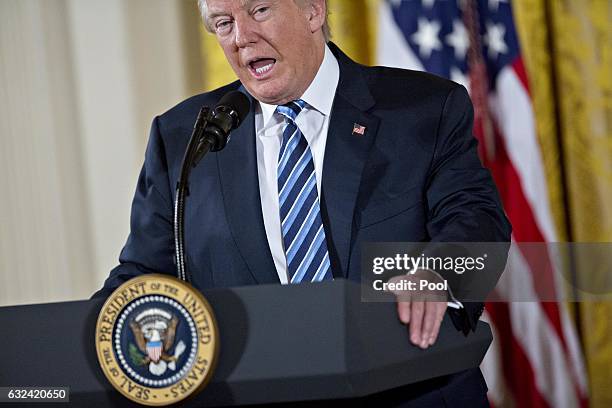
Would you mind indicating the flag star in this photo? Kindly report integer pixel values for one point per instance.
(426, 37)
(494, 4)
(459, 40)
(459, 77)
(494, 38)
(428, 3)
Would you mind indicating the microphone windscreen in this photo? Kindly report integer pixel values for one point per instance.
(236, 101)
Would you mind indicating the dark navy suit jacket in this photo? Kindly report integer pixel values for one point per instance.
(414, 175)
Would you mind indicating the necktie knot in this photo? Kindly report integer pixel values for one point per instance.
(291, 110)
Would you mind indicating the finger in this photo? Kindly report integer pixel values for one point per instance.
(403, 312)
(416, 321)
(440, 310)
(429, 321)
(400, 294)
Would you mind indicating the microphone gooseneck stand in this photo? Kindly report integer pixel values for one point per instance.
(210, 133)
(197, 147)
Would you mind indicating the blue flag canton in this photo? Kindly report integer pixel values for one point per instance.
(436, 33)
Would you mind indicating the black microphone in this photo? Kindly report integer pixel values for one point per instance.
(227, 115)
(210, 133)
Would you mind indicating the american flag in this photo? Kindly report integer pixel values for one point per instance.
(535, 359)
(358, 129)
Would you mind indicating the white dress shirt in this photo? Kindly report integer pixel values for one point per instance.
(313, 122)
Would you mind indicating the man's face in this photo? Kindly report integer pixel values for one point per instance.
(274, 46)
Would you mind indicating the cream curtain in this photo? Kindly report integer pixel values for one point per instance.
(80, 81)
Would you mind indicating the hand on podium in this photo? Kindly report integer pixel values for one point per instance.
(421, 304)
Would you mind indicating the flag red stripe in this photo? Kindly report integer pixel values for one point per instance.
(525, 229)
(521, 380)
(519, 69)
(550, 308)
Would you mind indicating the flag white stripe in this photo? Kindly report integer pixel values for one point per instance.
(514, 113)
(491, 365)
(534, 332)
(391, 47)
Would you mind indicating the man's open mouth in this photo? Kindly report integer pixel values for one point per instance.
(261, 66)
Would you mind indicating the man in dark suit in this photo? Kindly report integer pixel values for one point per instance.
(333, 154)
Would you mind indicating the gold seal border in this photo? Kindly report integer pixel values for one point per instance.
(200, 373)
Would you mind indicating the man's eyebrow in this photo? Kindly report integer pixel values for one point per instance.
(213, 14)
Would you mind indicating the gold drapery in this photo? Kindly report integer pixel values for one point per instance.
(567, 45)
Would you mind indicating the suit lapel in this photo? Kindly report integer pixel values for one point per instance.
(345, 155)
(240, 188)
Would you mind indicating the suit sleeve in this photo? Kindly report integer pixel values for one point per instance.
(463, 205)
(150, 244)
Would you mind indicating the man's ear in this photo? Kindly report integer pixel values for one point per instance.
(316, 12)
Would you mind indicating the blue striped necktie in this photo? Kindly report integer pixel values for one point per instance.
(300, 213)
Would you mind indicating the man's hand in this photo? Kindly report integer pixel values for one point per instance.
(421, 310)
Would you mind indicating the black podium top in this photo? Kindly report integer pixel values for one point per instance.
(277, 344)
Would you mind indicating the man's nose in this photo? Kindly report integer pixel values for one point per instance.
(245, 31)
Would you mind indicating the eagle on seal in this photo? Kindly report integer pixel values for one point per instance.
(154, 331)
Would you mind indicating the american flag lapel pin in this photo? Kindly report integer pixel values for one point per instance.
(358, 129)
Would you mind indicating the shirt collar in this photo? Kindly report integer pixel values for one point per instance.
(320, 94)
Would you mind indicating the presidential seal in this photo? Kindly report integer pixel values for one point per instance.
(157, 340)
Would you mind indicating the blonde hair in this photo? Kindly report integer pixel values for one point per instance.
(203, 6)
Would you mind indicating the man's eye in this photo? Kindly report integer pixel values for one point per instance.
(261, 12)
(223, 26)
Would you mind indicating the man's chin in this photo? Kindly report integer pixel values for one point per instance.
(269, 93)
